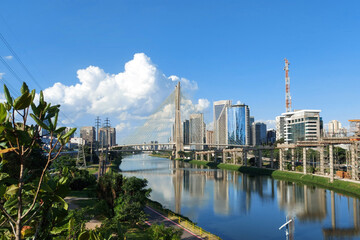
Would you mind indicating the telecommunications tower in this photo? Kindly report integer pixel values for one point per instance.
(287, 86)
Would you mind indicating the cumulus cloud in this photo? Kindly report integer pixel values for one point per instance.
(8, 57)
(185, 83)
(130, 96)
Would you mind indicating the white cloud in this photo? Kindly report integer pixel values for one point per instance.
(8, 57)
(98, 92)
(185, 83)
(269, 123)
(121, 126)
(126, 97)
(202, 105)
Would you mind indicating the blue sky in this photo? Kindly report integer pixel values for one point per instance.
(231, 49)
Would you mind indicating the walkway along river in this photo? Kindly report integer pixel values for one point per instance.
(234, 205)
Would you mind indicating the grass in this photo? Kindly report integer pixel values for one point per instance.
(86, 192)
(340, 186)
(136, 234)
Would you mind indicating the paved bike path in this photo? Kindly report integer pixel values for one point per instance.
(157, 218)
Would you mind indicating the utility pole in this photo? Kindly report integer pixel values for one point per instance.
(107, 126)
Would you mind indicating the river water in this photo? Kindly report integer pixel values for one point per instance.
(234, 205)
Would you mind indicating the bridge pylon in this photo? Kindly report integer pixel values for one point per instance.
(178, 139)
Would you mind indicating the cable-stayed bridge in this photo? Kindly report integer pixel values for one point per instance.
(163, 130)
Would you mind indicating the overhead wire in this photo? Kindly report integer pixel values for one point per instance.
(6, 43)
(18, 59)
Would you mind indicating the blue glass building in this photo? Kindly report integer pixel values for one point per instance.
(238, 127)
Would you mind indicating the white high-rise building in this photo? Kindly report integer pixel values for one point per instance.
(334, 128)
(280, 127)
(301, 125)
(220, 121)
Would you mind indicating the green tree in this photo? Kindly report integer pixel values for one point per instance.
(23, 190)
(130, 204)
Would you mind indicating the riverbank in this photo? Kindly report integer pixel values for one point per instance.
(340, 186)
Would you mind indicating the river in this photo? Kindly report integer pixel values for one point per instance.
(234, 205)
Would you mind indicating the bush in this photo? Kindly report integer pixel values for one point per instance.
(289, 166)
(81, 179)
(160, 232)
(252, 161)
(299, 168)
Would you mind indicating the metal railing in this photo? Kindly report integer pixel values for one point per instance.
(192, 227)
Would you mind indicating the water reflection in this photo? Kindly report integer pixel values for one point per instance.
(225, 202)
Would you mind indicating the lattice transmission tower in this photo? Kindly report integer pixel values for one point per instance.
(80, 160)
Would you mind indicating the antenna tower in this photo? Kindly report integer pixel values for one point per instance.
(287, 86)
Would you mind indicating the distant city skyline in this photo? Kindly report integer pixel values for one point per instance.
(121, 59)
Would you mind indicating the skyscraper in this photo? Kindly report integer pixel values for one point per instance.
(238, 124)
(259, 133)
(88, 134)
(220, 121)
(107, 136)
(252, 120)
(186, 132)
(334, 128)
(197, 130)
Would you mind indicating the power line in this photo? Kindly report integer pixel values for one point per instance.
(19, 60)
(26, 70)
(11, 70)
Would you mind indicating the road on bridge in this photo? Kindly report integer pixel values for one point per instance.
(157, 218)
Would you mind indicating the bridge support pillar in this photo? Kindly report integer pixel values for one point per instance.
(260, 158)
(208, 156)
(304, 160)
(224, 157)
(234, 157)
(322, 169)
(271, 158)
(331, 158)
(353, 162)
(196, 156)
(281, 159)
(293, 159)
(244, 157)
(201, 156)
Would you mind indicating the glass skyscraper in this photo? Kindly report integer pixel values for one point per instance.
(238, 127)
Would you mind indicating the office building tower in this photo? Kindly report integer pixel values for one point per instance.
(220, 121)
(186, 132)
(209, 137)
(280, 127)
(271, 136)
(259, 133)
(196, 129)
(107, 136)
(252, 120)
(335, 129)
(238, 124)
(88, 134)
(302, 125)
